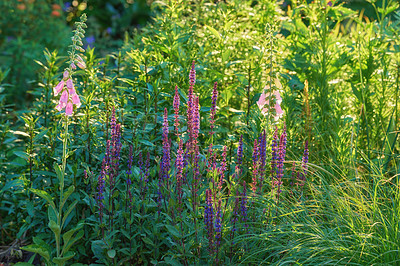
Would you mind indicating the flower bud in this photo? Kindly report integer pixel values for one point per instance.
(65, 75)
(73, 66)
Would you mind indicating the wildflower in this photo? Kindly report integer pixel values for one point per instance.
(265, 106)
(274, 150)
(218, 226)
(59, 87)
(222, 169)
(243, 205)
(262, 160)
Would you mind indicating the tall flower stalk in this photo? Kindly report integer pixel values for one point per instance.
(57, 218)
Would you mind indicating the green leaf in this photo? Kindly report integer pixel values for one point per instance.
(22, 154)
(173, 230)
(148, 241)
(68, 245)
(44, 195)
(111, 253)
(11, 184)
(40, 135)
(66, 195)
(39, 250)
(55, 228)
(70, 209)
(214, 32)
(62, 260)
(23, 264)
(67, 238)
(58, 171)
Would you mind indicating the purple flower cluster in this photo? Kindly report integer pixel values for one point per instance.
(274, 153)
(166, 159)
(218, 228)
(191, 108)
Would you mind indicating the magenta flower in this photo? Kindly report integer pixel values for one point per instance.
(69, 108)
(65, 75)
(69, 83)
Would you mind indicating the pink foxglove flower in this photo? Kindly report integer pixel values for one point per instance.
(264, 104)
(73, 66)
(57, 89)
(65, 75)
(64, 97)
(71, 91)
(70, 85)
(69, 109)
(76, 100)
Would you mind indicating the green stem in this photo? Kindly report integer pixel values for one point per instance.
(64, 163)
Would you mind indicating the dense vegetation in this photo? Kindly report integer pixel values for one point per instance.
(235, 132)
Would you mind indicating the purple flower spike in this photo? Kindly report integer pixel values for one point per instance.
(222, 169)
(243, 206)
(274, 153)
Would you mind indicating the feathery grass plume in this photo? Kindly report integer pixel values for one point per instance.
(176, 110)
(213, 108)
(307, 111)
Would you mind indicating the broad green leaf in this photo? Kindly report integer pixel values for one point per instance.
(58, 171)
